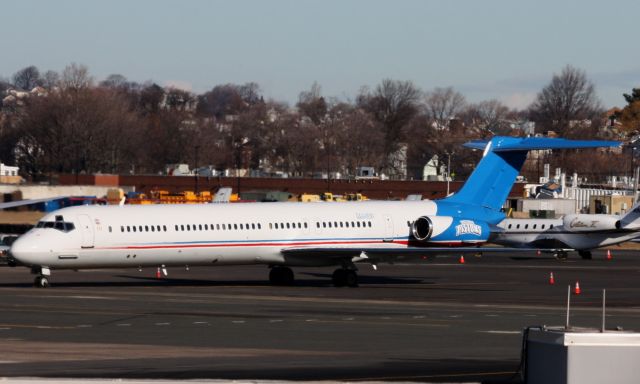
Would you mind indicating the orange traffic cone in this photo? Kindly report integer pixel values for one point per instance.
(461, 261)
(158, 274)
(552, 280)
(577, 290)
(609, 254)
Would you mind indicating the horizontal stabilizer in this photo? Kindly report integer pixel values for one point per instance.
(505, 144)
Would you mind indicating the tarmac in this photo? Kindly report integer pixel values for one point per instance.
(438, 321)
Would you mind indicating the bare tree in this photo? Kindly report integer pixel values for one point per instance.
(569, 101)
(26, 78)
(490, 117)
(76, 77)
(312, 104)
(50, 79)
(443, 105)
(393, 104)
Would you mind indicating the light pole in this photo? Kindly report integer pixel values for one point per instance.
(196, 168)
(448, 170)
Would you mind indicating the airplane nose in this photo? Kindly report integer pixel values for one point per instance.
(25, 251)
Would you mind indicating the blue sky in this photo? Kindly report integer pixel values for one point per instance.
(503, 49)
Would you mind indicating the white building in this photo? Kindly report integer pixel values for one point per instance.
(6, 170)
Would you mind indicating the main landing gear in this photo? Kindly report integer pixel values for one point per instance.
(279, 275)
(42, 278)
(561, 255)
(345, 277)
(586, 255)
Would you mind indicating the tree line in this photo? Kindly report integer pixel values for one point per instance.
(68, 123)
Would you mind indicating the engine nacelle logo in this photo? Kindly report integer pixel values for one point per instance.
(468, 227)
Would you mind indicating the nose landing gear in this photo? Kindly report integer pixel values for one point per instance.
(41, 280)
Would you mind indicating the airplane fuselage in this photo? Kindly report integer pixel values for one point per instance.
(215, 234)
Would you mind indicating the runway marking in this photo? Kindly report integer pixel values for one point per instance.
(419, 317)
(4, 329)
(276, 321)
(123, 325)
(491, 315)
(348, 319)
(200, 323)
(502, 332)
(25, 326)
(162, 324)
(84, 326)
(530, 315)
(455, 316)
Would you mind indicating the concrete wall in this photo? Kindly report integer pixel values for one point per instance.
(46, 191)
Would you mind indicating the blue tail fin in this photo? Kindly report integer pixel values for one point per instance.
(492, 180)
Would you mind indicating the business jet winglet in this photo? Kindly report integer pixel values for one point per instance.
(284, 235)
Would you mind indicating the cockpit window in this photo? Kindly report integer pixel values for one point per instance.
(59, 225)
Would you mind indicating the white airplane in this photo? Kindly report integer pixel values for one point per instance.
(575, 232)
(283, 235)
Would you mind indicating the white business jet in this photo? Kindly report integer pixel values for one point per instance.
(284, 235)
(575, 232)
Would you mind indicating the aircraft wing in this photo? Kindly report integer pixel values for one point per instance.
(20, 203)
(389, 255)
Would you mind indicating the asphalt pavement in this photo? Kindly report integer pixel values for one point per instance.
(438, 321)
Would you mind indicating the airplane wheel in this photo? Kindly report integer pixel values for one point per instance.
(281, 276)
(339, 277)
(586, 255)
(351, 279)
(41, 282)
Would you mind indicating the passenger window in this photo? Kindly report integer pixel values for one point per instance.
(182, 227)
(253, 226)
(526, 226)
(543, 226)
(188, 227)
(518, 226)
(534, 226)
(324, 224)
(218, 226)
(224, 227)
(510, 226)
(146, 228)
(241, 226)
(329, 224)
(288, 226)
(317, 224)
(121, 228)
(134, 228)
(270, 225)
(200, 227)
(235, 226)
(259, 227)
(140, 228)
(153, 229)
(128, 229)
(176, 227)
(305, 224)
(276, 225)
(550, 226)
(369, 224)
